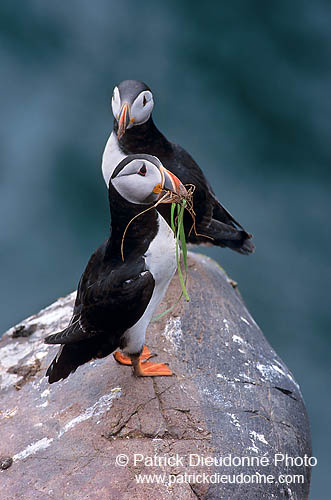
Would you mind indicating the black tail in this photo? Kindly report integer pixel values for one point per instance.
(227, 231)
(226, 235)
(67, 361)
(243, 246)
(71, 356)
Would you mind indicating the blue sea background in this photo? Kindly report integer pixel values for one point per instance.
(245, 87)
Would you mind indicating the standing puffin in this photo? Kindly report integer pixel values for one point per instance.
(135, 132)
(116, 298)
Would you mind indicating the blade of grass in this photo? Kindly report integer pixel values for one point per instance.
(180, 237)
(180, 210)
(173, 206)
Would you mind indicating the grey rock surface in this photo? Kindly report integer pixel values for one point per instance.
(230, 397)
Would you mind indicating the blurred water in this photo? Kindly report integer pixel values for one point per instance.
(243, 86)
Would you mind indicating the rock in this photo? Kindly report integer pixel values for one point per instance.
(231, 402)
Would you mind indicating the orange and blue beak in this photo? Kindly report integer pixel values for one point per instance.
(123, 120)
(170, 183)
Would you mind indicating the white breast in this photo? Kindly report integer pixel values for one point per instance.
(111, 157)
(161, 262)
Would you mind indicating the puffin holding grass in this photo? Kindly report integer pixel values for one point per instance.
(135, 132)
(125, 279)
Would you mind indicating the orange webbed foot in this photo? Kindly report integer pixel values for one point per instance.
(150, 369)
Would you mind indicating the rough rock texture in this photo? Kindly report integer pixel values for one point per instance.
(230, 394)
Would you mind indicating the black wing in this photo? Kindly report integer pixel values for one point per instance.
(80, 343)
(108, 301)
(213, 223)
(189, 172)
(107, 304)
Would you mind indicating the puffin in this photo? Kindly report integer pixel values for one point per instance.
(134, 132)
(126, 277)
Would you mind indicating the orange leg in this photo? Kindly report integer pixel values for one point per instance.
(126, 360)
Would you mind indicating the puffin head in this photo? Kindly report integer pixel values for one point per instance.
(132, 104)
(142, 179)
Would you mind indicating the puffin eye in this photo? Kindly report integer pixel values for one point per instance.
(144, 101)
(143, 170)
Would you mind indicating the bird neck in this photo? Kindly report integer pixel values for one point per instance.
(142, 138)
(138, 234)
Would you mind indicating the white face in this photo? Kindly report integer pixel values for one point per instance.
(116, 103)
(137, 181)
(140, 109)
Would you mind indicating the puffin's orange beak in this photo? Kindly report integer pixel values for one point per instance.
(124, 120)
(171, 183)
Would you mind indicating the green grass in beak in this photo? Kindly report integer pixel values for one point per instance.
(180, 239)
(177, 225)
